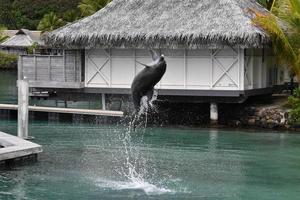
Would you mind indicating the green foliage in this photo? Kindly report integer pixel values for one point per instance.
(70, 15)
(2, 36)
(7, 61)
(294, 103)
(16, 14)
(89, 7)
(6, 13)
(266, 3)
(32, 48)
(50, 22)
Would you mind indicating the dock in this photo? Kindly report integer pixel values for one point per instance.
(13, 147)
(108, 113)
(23, 109)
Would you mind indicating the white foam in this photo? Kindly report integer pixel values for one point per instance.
(148, 188)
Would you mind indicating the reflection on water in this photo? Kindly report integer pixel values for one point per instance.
(103, 162)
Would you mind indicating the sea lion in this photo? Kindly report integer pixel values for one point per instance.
(144, 82)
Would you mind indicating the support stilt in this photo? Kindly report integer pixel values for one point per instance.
(23, 96)
(214, 113)
(103, 102)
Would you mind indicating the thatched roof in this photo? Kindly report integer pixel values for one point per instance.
(22, 38)
(164, 24)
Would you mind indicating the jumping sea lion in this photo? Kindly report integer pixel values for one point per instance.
(144, 82)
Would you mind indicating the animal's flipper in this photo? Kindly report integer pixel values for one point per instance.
(155, 55)
(142, 64)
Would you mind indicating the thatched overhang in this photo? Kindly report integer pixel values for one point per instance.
(164, 24)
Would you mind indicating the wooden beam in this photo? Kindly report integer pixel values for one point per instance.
(109, 113)
(55, 84)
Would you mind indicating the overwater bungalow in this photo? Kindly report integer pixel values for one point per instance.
(20, 40)
(213, 50)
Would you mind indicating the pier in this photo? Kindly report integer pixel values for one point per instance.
(13, 147)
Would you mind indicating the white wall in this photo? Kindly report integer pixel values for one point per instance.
(203, 69)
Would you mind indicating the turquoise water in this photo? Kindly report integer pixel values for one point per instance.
(106, 162)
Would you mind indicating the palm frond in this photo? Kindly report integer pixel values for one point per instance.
(281, 43)
(283, 26)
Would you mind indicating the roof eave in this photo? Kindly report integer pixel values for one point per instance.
(257, 41)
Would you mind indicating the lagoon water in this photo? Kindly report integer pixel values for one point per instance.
(82, 161)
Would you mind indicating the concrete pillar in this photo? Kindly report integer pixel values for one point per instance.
(214, 113)
(103, 102)
(23, 96)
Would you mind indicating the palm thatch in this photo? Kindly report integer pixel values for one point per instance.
(164, 24)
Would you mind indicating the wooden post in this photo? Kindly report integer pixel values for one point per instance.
(75, 64)
(20, 68)
(64, 63)
(49, 69)
(23, 96)
(35, 68)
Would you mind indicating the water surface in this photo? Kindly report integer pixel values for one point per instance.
(105, 162)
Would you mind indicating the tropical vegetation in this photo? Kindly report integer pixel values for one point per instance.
(7, 61)
(89, 7)
(16, 14)
(2, 36)
(283, 27)
(50, 22)
(294, 103)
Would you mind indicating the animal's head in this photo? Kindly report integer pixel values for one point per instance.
(162, 57)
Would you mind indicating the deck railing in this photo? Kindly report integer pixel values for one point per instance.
(51, 71)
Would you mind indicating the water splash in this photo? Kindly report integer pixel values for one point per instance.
(133, 167)
(147, 188)
(146, 107)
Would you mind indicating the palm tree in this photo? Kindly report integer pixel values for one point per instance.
(89, 7)
(71, 15)
(283, 27)
(50, 22)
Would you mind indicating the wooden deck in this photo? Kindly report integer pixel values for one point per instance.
(108, 113)
(15, 147)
